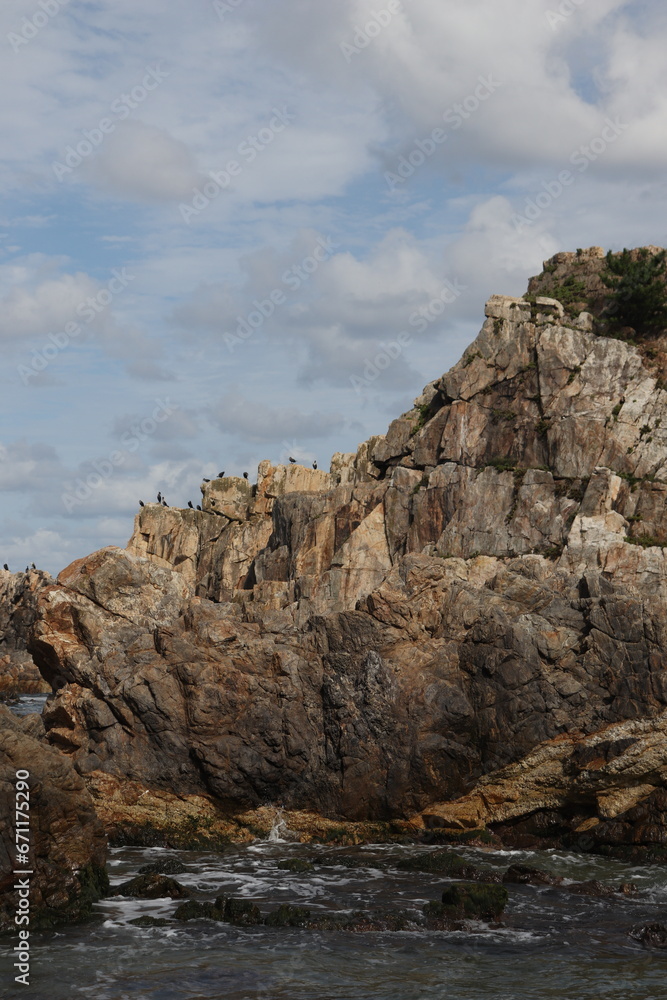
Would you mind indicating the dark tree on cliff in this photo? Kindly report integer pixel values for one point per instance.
(639, 290)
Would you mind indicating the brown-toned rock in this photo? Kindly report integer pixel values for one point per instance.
(67, 847)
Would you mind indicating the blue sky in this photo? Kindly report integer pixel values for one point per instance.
(117, 114)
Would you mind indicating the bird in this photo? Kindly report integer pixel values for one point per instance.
(159, 498)
(190, 505)
(164, 503)
(207, 480)
(292, 461)
(245, 475)
(315, 464)
(221, 475)
(6, 566)
(33, 566)
(27, 569)
(141, 503)
(198, 507)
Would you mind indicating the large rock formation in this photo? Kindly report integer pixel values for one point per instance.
(18, 673)
(67, 842)
(487, 576)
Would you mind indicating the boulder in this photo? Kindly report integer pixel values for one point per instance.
(67, 848)
(151, 886)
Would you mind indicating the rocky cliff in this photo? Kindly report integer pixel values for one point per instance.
(487, 578)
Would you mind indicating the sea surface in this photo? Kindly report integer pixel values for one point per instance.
(550, 945)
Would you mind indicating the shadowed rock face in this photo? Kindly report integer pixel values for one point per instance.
(367, 642)
(68, 846)
(18, 673)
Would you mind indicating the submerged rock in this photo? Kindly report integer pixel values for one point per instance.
(650, 935)
(525, 875)
(151, 922)
(471, 901)
(296, 865)
(151, 886)
(239, 911)
(288, 916)
(442, 863)
(193, 910)
(168, 866)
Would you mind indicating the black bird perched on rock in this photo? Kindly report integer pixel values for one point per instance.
(27, 569)
(141, 503)
(164, 503)
(159, 498)
(6, 566)
(33, 566)
(315, 464)
(198, 507)
(221, 475)
(245, 475)
(190, 505)
(292, 461)
(207, 480)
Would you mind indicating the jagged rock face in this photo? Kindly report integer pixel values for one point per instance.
(487, 576)
(599, 790)
(18, 673)
(448, 670)
(68, 845)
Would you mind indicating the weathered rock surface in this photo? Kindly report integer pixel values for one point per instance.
(18, 672)
(597, 792)
(68, 846)
(434, 615)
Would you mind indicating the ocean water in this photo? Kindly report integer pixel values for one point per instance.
(550, 945)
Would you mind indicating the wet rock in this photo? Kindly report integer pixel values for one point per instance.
(650, 935)
(239, 911)
(340, 861)
(151, 886)
(441, 863)
(471, 901)
(296, 865)
(288, 916)
(151, 921)
(525, 875)
(168, 866)
(592, 888)
(466, 901)
(193, 910)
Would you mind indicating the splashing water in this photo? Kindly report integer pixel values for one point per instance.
(278, 830)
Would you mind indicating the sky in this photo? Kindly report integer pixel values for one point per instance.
(234, 230)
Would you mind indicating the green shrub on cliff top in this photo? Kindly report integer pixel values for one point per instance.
(639, 290)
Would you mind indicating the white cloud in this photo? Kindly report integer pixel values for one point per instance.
(140, 161)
